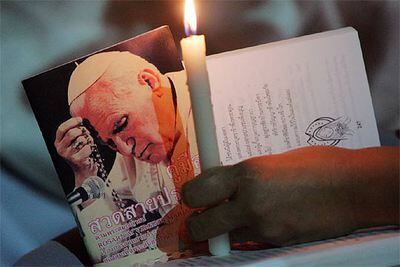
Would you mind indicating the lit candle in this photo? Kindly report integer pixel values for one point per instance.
(194, 58)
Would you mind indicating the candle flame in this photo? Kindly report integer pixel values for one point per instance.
(190, 19)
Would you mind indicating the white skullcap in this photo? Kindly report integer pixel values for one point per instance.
(89, 71)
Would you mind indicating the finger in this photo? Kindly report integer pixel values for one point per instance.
(71, 137)
(215, 221)
(82, 140)
(211, 187)
(93, 166)
(65, 126)
(82, 155)
(77, 145)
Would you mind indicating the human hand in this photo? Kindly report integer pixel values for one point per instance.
(301, 195)
(73, 142)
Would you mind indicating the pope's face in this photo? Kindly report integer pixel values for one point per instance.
(132, 117)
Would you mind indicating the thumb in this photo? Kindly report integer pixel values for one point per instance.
(211, 187)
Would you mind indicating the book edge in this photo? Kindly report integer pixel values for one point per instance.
(303, 38)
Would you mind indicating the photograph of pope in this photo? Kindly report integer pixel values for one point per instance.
(145, 117)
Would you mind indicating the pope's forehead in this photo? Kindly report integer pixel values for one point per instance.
(107, 64)
(109, 96)
(116, 86)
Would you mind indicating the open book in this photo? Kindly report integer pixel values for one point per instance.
(311, 90)
(119, 128)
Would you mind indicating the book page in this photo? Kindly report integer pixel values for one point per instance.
(311, 90)
(378, 248)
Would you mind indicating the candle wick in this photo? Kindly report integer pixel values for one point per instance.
(189, 31)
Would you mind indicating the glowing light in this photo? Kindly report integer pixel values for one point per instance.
(190, 18)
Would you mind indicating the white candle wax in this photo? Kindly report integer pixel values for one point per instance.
(194, 58)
